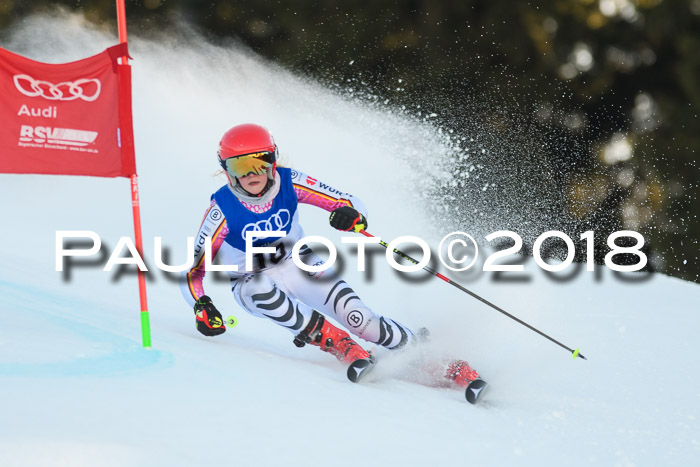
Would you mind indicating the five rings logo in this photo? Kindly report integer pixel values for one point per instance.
(66, 91)
(278, 221)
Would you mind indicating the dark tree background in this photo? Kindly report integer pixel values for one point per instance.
(603, 95)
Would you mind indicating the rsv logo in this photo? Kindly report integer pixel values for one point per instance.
(67, 136)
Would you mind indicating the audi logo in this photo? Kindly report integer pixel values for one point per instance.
(278, 221)
(66, 91)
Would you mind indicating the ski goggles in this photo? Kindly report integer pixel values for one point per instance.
(256, 163)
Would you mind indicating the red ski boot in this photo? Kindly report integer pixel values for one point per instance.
(337, 342)
(465, 376)
(454, 372)
(461, 373)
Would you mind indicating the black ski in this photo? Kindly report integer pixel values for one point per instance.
(359, 368)
(475, 390)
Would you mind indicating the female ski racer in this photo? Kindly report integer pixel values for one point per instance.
(259, 197)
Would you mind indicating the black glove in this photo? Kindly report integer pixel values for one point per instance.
(209, 321)
(347, 219)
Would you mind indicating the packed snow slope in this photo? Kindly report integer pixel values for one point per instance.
(77, 389)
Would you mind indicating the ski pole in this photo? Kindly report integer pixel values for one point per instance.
(575, 353)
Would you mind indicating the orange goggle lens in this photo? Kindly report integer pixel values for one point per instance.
(249, 164)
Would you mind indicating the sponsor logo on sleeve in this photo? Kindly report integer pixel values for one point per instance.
(330, 189)
(215, 215)
(199, 247)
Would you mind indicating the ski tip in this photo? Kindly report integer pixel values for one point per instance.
(359, 368)
(231, 321)
(475, 390)
(577, 353)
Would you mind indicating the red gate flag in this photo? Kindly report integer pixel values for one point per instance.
(65, 118)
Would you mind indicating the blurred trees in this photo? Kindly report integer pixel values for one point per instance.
(603, 94)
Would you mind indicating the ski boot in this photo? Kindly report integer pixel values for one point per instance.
(465, 376)
(338, 343)
(458, 373)
(329, 338)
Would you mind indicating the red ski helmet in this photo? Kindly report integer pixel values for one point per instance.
(247, 149)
